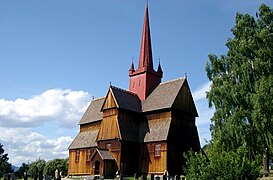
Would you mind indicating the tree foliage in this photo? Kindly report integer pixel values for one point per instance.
(36, 168)
(52, 165)
(242, 94)
(22, 169)
(242, 82)
(222, 165)
(5, 167)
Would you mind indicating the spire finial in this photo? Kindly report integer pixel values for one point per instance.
(185, 75)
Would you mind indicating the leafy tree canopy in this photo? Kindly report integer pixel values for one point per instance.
(242, 85)
(5, 167)
(222, 165)
(37, 167)
(22, 169)
(52, 165)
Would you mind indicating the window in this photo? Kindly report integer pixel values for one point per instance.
(157, 150)
(88, 155)
(77, 158)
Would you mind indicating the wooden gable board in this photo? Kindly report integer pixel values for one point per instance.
(184, 100)
(110, 101)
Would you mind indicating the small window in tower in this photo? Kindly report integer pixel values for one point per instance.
(88, 155)
(77, 158)
(157, 150)
(139, 82)
(134, 84)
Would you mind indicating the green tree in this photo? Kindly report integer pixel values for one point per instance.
(242, 85)
(36, 168)
(222, 165)
(22, 169)
(5, 167)
(52, 165)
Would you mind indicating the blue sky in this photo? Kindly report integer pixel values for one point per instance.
(56, 55)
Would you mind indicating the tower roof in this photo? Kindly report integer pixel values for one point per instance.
(146, 57)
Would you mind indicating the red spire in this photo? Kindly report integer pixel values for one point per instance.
(145, 79)
(159, 69)
(146, 58)
(132, 69)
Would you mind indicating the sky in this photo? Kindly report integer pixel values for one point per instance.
(55, 56)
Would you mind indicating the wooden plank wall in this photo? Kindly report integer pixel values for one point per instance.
(115, 149)
(184, 101)
(90, 126)
(183, 136)
(151, 164)
(82, 167)
(109, 128)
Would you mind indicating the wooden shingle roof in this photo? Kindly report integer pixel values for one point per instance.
(105, 155)
(85, 139)
(163, 96)
(154, 130)
(93, 112)
(126, 99)
(167, 95)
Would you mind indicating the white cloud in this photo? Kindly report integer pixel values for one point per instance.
(62, 106)
(200, 93)
(205, 113)
(25, 145)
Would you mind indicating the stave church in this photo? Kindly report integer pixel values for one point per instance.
(143, 130)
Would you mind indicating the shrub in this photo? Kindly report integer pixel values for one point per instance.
(222, 165)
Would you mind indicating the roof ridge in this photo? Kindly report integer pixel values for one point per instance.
(169, 81)
(102, 97)
(124, 90)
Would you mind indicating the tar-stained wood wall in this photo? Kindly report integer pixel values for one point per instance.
(129, 157)
(109, 127)
(182, 137)
(82, 167)
(148, 163)
(184, 100)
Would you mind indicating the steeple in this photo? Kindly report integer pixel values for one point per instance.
(145, 79)
(146, 57)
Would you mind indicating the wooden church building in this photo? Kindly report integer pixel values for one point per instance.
(143, 130)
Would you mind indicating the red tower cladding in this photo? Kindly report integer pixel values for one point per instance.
(145, 79)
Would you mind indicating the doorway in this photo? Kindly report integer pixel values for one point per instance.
(97, 167)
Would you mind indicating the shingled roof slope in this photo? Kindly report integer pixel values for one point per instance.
(93, 112)
(126, 99)
(163, 96)
(154, 130)
(105, 155)
(85, 139)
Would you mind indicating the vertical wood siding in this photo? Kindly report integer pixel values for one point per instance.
(82, 167)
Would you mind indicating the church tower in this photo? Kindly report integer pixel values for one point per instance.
(145, 79)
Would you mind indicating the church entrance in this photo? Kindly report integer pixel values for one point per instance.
(97, 167)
